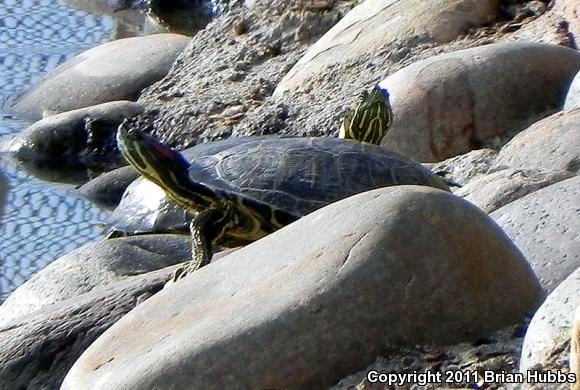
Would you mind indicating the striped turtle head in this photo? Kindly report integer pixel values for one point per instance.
(371, 119)
(151, 158)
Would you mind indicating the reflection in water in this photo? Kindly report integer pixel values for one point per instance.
(40, 222)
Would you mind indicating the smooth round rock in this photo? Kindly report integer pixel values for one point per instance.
(375, 24)
(451, 103)
(93, 265)
(106, 190)
(117, 70)
(321, 298)
(545, 225)
(573, 96)
(548, 334)
(38, 349)
(83, 137)
(495, 190)
(550, 144)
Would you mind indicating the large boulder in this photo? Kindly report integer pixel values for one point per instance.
(452, 103)
(545, 225)
(94, 265)
(375, 24)
(550, 144)
(321, 298)
(117, 70)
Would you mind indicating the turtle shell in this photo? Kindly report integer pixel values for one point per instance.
(297, 175)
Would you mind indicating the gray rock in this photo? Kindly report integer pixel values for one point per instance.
(116, 70)
(406, 21)
(73, 140)
(466, 167)
(37, 350)
(93, 265)
(452, 103)
(573, 97)
(547, 340)
(550, 144)
(106, 190)
(321, 298)
(495, 190)
(545, 225)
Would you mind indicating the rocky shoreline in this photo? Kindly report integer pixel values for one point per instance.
(398, 280)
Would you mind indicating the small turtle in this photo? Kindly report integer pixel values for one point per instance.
(240, 190)
(370, 120)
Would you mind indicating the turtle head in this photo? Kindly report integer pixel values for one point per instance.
(153, 159)
(371, 119)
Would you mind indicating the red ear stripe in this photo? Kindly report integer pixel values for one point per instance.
(163, 150)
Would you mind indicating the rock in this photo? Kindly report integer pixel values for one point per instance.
(573, 97)
(570, 11)
(116, 70)
(452, 103)
(37, 350)
(393, 270)
(548, 337)
(495, 190)
(550, 144)
(375, 25)
(106, 190)
(73, 141)
(545, 225)
(94, 265)
(466, 167)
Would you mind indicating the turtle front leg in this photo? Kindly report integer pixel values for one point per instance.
(207, 227)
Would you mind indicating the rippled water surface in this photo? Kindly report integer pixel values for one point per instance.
(41, 221)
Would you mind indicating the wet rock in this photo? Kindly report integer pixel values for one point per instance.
(393, 270)
(495, 190)
(547, 340)
(94, 265)
(550, 144)
(545, 225)
(37, 350)
(573, 96)
(466, 167)
(116, 70)
(411, 20)
(106, 190)
(72, 142)
(452, 103)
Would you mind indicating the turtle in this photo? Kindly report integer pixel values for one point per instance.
(241, 189)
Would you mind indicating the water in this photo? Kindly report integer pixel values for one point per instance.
(41, 221)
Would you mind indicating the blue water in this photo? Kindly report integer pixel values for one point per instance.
(41, 221)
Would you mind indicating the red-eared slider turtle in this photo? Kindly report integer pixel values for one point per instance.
(240, 190)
